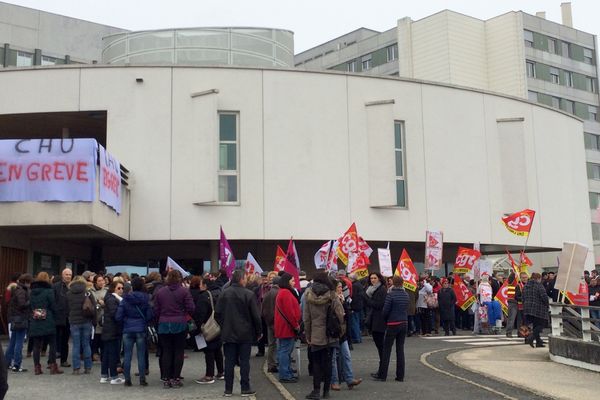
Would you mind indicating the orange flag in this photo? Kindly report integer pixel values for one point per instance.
(520, 222)
(406, 269)
(348, 244)
(279, 260)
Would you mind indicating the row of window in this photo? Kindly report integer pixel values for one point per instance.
(560, 76)
(371, 60)
(582, 110)
(559, 47)
(228, 173)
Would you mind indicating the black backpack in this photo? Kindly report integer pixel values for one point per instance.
(333, 327)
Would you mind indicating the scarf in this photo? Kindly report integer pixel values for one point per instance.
(118, 297)
(371, 289)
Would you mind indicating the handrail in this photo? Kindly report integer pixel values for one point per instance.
(577, 321)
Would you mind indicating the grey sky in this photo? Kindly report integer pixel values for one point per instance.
(312, 21)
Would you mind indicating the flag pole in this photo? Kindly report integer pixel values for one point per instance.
(328, 253)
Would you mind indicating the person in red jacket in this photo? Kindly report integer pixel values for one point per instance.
(287, 324)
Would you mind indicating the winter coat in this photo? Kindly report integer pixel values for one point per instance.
(62, 304)
(75, 297)
(173, 303)
(318, 299)
(375, 322)
(268, 305)
(595, 291)
(18, 308)
(134, 312)
(42, 297)
(447, 304)
(237, 313)
(358, 296)
(535, 300)
(202, 313)
(99, 294)
(424, 291)
(395, 306)
(286, 304)
(412, 302)
(111, 328)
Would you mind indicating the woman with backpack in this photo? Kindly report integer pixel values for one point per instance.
(81, 317)
(323, 315)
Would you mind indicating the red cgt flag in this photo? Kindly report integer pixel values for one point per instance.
(520, 222)
(279, 260)
(406, 269)
(465, 260)
(348, 244)
(464, 297)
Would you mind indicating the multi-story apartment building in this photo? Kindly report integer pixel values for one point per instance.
(515, 53)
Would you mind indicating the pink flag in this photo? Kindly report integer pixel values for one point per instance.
(227, 261)
(292, 263)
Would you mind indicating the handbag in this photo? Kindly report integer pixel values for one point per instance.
(210, 329)
(524, 331)
(88, 309)
(39, 314)
(294, 329)
(431, 300)
(192, 327)
(150, 330)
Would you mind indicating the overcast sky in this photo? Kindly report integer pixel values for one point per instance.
(312, 21)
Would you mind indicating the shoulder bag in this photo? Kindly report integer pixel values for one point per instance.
(210, 329)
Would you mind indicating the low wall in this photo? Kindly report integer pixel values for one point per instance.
(575, 352)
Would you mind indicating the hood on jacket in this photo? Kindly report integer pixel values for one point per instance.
(77, 287)
(136, 298)
(40, 285)
(318, 294)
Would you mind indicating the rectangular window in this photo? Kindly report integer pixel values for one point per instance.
(366, 62)
(569, 106)
(566, 49)
(594, 200)
(554, 75)
(590, 84)
(228, 157)
(392, 53)
(24, 59)
(569, 78)
(592, 142)
(351, 66)
(400, 164)
(48, 60)
(552, 45)
(593, 171)
(592, 113)
(532, 96)
(595, 232)
(530, 69)
(555, 102)
(528, 35)
(588, 56)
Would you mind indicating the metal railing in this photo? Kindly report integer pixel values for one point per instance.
(573, 321)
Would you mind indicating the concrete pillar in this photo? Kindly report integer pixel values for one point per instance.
(541, 14)
(405, 56)
(567, 15)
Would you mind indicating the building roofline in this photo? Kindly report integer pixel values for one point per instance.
(189, 28)
(287, 69)
(338, 37)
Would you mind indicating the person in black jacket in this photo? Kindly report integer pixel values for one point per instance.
(18, 316)
(395, 316)
(357, 306)
(63, 328)
(213, 353)
(447, 304)
(375, 298)
(239, 318)
(111, 334)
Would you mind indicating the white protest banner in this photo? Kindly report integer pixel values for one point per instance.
(571, 266)
(251, 265)
(385, 262)
(433, 250)
(326, 256)
(110, 180)
(485, 267)
(48, 170)
(171, 264)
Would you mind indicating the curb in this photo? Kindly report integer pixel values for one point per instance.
(282, 390)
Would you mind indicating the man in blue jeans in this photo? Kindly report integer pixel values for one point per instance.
(18, 316)
(237, 314)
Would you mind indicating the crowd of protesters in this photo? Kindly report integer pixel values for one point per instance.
(107, 316)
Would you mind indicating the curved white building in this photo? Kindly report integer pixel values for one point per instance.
(271, 153)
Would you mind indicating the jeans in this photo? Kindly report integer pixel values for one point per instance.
(139, 338)
(172, 352)
(110, 359)
(38, 344)
(449, 327)
(82, 336)
(378, 338)
(426, 317)
(596, 315)
(355, 327)
(395, 333)
(284, 357)
(272, 350)
(345, 364)
(14, 351)
(233, 353)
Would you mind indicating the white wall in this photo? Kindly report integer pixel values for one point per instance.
(304, 164)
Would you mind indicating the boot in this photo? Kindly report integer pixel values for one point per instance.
(54, 369)
(314, 395)
(37, 369)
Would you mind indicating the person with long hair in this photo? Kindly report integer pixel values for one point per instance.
(42, 327)
(213, 352)
(99, 291)
(81, 325)
(286, 323)
(319, 297)
(18, 317)
(111, 335)
(172, 304)
(374, 300)
(134, 313)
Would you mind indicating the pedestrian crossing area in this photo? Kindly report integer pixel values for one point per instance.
(479, 340)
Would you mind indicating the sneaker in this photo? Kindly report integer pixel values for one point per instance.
(176, 383)
(205, 380)
(117, 381)
(19, 369)
(167, 384)
(227, 394)
(65, 364)
(220, 377)
(128, 382)
(248, 393)
(104, 379)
